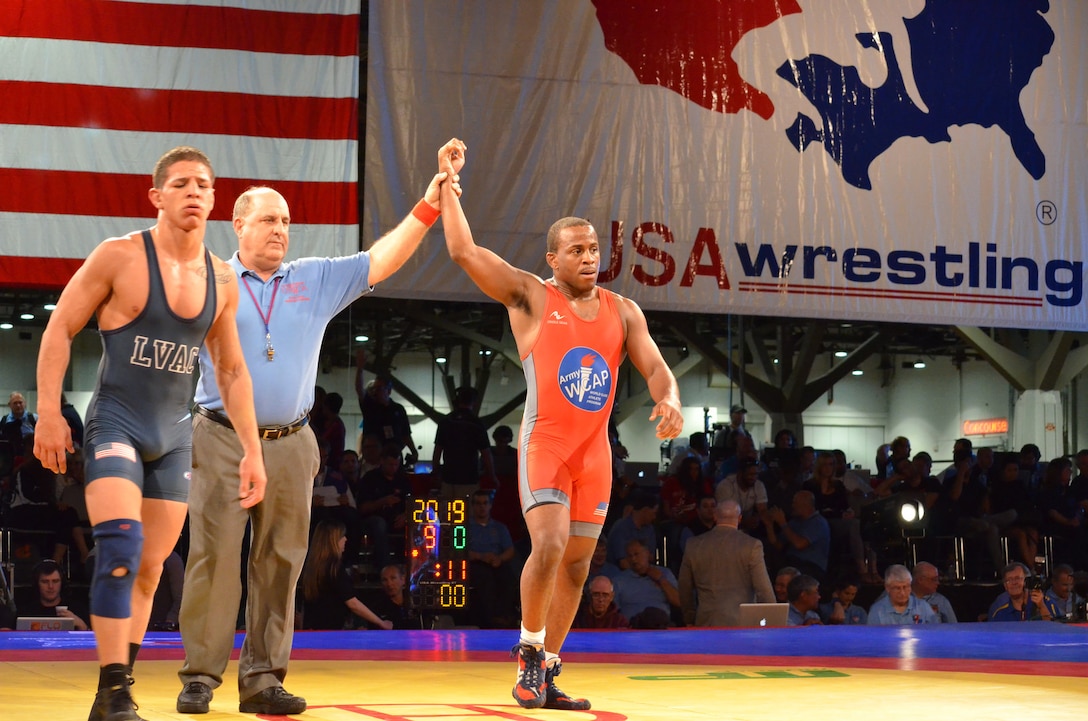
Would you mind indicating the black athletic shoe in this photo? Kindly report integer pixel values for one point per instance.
(529, 690)
(114, 703)
(273, 700)
(93, 715)
(556, 698)
(195, 698)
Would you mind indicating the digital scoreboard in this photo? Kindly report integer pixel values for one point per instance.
(438, 552)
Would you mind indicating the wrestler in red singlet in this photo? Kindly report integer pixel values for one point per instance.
(570, 376)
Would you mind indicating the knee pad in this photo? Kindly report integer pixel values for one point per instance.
(118, 544)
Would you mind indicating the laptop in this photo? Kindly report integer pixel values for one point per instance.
(45, 623)
(756, 615)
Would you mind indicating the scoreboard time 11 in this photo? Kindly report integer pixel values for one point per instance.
(438, 552)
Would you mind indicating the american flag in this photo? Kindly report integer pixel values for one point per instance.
(93, 92)
(601, 510)
(115, 450)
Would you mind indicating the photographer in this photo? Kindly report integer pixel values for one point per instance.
(1062, 593)
(1022, 601)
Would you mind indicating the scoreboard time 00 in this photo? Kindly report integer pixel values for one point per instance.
(438, 552)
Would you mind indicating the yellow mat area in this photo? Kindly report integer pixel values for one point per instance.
(470, 691)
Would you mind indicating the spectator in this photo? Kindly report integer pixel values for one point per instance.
(806, 539)
(492, 566)
(841, 609)
(721, 570)
(750, 494)
(18, 426)
(392, 602)
(803, 594)
(461, 447)
(833, 503)
(1061, 594)
(381, 502)
(1032, 469)
(782, 583)
(925, 584)
(50, 598)
(382, 416)
(328, 596)
(704, 521)
(1007, 493)
(1016, 602)
(645, 593)
(599, 565)
(1063, 515)
(638, 525)
(725, 439)
(599, 609)
(696, 448)
(899, 607)
(74, 421)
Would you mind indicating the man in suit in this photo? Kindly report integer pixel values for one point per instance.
(722, 569)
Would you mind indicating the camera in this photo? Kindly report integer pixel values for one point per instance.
(1036, 583)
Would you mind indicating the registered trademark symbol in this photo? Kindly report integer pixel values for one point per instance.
(1046, 212)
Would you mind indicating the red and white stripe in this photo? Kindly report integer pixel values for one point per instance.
(92, 93)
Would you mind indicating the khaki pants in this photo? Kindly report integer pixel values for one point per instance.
(280, 533)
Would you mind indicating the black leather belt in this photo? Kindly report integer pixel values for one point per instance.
(266, 433)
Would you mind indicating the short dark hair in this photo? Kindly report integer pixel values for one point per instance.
(641, 499)
(559, 226)
(177, 155)
(799, 585)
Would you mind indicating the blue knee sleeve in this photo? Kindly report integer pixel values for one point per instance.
(118, 544)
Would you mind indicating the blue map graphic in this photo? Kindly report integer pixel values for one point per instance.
(971, 60)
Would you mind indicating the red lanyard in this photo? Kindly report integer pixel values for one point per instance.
(266, 319)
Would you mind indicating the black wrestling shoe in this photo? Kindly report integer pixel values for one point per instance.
(556, 698)
(273, 700)
(114, 703)
(529, 690)
(196, 697)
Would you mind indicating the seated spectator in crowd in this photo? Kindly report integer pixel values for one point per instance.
(17, 427)
(680, 495)
(328, 595)
(1063, 516)
(900, 607)
(745, 453)
(381, 502)
(900, 451)
(599, 609)
(857, 486)
(333, 500)
(969, 504)
(462, 448)
(392, 602)
(745, 488)
(696, 448)
(803, 594)
(704, 521)
(599, 565)
(782, 583)
(32, 506)
(681, 491)
(721, 570)
(833, 503)
(1016, 602)
(925, 584)
(1061, 593)
(50, 598)
(645, 593)
(493, 567)
(1032, 468)
(805, 540)
(1007, 493)
(166, 604)
(74, 524)
(636, 526)
(841, 609)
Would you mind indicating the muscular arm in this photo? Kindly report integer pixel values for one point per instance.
(501, 281)
(88, 289)
(647, 358)
(236, 388)
(391, 251)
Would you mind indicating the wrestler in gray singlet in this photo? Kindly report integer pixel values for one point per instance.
(138, 423)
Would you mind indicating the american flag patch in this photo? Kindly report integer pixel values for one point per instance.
(115, 450)
(601, 510)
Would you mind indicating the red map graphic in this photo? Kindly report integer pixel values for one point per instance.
(687, 46)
